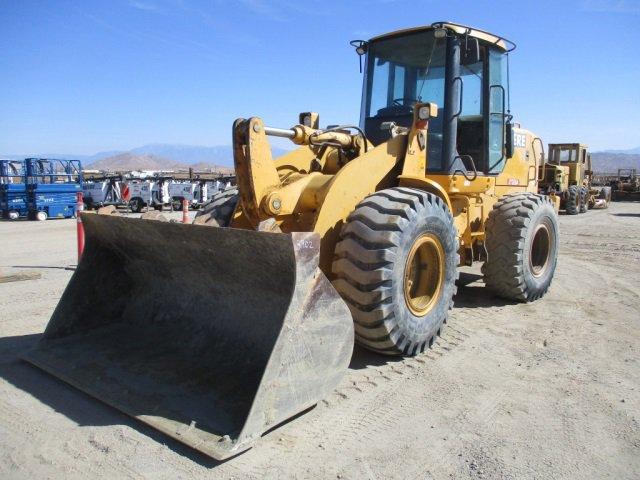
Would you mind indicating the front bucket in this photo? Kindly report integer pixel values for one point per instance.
(210, 335)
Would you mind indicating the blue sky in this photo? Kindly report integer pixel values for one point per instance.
(85, 76)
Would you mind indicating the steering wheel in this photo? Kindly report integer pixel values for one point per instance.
(403, 101)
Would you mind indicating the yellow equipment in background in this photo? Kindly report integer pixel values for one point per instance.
(215, 335)
(568, 175)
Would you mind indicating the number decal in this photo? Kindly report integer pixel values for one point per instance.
(305, 244)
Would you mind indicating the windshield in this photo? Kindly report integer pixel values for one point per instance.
(561, 155)
(400, 72)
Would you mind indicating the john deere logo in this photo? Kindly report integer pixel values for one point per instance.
(519, 140)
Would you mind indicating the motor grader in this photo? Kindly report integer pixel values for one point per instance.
(626, 186)
(216, 335)
(568, 175)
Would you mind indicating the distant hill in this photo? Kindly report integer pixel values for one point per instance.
(609, 162)
(631, 151)
(130, 161)
(184, 155)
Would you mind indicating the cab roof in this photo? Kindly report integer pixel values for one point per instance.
(500, 42)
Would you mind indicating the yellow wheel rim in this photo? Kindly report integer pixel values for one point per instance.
(423, 274)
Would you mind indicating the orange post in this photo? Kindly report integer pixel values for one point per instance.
(79, 226)
(185, 211)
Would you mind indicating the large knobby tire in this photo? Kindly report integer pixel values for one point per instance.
(219, 210)
(522, 246)
(396, 265)
(572, 205)
(584, 204)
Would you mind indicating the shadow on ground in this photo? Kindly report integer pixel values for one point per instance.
(472, 293)
(72, 403)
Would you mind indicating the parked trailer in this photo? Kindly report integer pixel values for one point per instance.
(103, 191)
(52, 185)
(139, 193)
(183, 190)
(210, 188)
(13, 190)
(136, 193)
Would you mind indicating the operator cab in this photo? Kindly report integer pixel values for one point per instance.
(566, 153)
(460, 69)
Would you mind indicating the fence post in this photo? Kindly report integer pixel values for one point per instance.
(185, 211)
(79, 226)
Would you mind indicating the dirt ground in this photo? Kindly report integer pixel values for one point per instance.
(543, 390)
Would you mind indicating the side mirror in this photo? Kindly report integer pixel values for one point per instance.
(471, 51)
(509, 139)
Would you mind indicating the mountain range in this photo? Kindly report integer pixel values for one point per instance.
(155, 156)
(160, 156)
(183, 154)
(611, 161)
(630, 151)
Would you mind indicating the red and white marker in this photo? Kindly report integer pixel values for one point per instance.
(185, 211)
(80, 227)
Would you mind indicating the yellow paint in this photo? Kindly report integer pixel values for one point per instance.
(315, 188)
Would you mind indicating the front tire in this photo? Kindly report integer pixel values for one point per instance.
(41, 216)
(396, 266)
(522, 246)
(572, 205)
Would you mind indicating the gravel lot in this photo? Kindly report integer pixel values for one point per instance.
(543, 390)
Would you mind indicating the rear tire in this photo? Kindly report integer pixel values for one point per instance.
(522, 246)
(398, 306)
(218, 212)
(572, 204)
(41, 216)
(584, 204)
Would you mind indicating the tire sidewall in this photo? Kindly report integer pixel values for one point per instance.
(543, 215)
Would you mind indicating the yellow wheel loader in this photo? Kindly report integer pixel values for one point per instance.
(216, 335)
